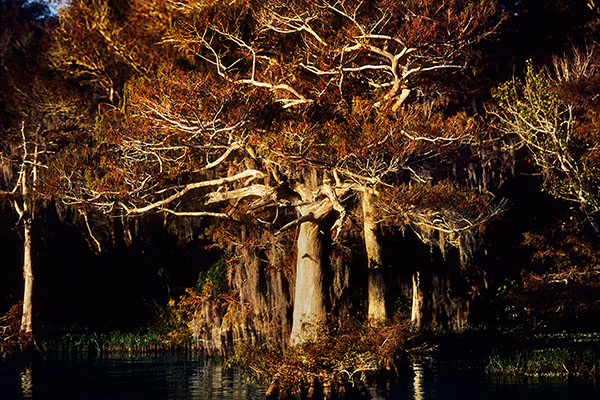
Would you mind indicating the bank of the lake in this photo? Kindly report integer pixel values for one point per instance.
(519, 355)
(483, 354)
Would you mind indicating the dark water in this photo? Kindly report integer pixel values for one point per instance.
(114, 378)
(175, 378)
(429, 381)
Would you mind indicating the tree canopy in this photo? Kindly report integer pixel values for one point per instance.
(305, 135)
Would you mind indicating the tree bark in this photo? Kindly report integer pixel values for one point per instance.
(417, 300)
(309, 298)
(27, 318)
(583, 206)
(376, 282)
(26, 212)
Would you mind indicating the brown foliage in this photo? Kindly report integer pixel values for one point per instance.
(12, 340)
(100, 43)
(347, 350)
(560, 287)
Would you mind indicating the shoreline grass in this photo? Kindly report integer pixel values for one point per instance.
(546, 362)
(514, 354)
(147, 340)
(550, 355)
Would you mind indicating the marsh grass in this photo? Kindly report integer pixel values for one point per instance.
(82, 340)
(550, 355)
(514, 354)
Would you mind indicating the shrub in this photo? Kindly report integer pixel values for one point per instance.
(344, 353)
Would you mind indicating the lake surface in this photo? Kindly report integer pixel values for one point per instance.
(177, 378)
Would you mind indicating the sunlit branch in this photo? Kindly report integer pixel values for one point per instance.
(436, 139)
(195, 213)
(452, 222)
(335, 203)
(87, 224)
(289, 25)
(233, 147)
(247, 191)
(248, 174)
(287, 103)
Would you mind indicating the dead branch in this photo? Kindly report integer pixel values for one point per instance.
(248, 174)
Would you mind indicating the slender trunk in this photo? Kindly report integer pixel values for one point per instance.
(26, 320)
(376, 283)
(309, 299)
(417, 300)
(27, 181)
(583, 205)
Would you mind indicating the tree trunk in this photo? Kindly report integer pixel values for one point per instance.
(417, 301)
(583, 206)
(26, 320)
(376, 283)
(309, 298)
(26, 214)
(376, 286)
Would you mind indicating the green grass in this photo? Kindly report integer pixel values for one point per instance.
(568, 361)
(84, 340)
(564, 354)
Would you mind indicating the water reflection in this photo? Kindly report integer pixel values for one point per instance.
(431, 380)
(423, 389)
(156, 378)
(26, 378)
(177, 378)
(209, 380)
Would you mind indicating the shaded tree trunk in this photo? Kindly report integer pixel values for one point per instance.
(376, 283)
(376, 286)
(583, 206)
(417, 300)
(309, 298)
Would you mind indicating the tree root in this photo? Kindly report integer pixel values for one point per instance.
(336, 388)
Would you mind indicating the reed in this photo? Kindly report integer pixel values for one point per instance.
(571, 361)
(148, 340)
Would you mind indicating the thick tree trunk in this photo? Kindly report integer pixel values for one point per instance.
(417, 301)
(27, 318)
(309, 298)
(376, 284)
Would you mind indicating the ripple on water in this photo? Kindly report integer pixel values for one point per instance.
(178, 378)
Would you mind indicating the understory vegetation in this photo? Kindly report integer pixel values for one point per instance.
(82, 340)
(12, 340)
(339, 361)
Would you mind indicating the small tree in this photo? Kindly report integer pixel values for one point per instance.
(20, 151)
(553, 113)
(22, 196)
(38, 111)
